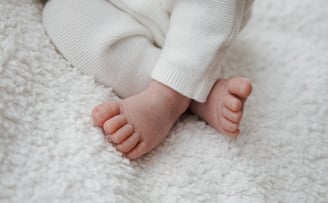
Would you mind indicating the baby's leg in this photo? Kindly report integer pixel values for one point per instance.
(123, 60)
(102, 41)
(223, 109)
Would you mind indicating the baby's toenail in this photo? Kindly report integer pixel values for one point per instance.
(233, 106)
(98, 115)
(242, 87)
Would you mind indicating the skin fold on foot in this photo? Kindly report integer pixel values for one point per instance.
(223, 109)
(139, 123)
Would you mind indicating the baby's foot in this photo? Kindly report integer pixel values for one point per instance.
(223, 109)
(139, 123)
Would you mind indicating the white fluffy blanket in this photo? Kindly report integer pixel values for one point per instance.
(51, 152)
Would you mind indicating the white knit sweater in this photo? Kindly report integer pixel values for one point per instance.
(192, 36)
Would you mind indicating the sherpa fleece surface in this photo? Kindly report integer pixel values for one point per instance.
(51, 152)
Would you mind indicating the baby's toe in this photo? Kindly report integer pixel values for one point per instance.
(231, 134)
(232, 103)
(231, 115)
(138, 151)
(114, 123)
(240, 87)
(105, 111)
(229, 126)
(121, 134)
(129, 143)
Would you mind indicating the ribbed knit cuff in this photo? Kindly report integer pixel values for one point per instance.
(186, 82)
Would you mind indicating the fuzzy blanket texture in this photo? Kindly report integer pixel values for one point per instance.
(51, 152)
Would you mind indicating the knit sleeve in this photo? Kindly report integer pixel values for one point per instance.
(199, 30)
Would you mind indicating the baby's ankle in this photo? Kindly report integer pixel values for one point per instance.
(172, 99)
